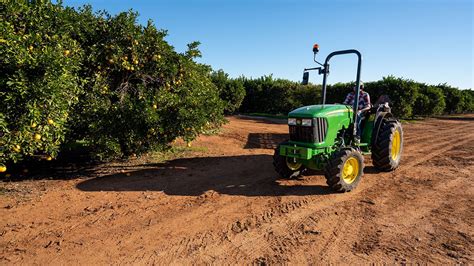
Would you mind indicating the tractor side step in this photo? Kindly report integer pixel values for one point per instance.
(364, 148)
(362, 144)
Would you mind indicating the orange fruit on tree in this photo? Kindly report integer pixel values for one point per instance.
(37, 136)
(3, 168)
(17, 148)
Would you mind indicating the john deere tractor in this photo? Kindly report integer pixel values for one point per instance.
(325, 137)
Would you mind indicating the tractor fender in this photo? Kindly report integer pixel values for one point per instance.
(379, 119)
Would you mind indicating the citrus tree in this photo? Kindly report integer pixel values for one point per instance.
(430, 101)
(107, 81)
(39, 82)
(140, 94)
(231, 91)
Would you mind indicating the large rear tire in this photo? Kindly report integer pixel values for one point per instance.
(387, 149)
(286, 167)
(344, 170)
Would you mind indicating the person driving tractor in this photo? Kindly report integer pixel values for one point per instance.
(364, 105)
(325, 137)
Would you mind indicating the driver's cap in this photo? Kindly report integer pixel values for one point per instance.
(361, 85)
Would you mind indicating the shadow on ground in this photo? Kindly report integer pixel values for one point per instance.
(67, 166)
(246, 175)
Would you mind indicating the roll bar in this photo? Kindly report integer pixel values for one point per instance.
(324, 69)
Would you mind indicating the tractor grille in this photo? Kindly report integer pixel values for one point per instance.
(314, 134)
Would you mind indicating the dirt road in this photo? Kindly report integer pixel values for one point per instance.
(223, 204)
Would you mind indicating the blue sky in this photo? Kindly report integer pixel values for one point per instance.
(426, 40)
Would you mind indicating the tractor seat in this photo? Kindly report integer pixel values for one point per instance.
(373, 109)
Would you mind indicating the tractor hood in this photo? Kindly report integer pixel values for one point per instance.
(321, 111)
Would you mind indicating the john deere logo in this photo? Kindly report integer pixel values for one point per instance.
(298, 122)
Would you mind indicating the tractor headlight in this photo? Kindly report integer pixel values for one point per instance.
(292, 121)
(306, 122)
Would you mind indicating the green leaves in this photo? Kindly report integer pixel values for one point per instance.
(38, 83)
(193, 50)
(74, 75)
(407, 97)
(231, 91)
(277, 96)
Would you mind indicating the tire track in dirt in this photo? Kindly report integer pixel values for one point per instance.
(188, 246)
(446, 133)
(414, 191)
(130, 227)
(290, 223)
(406, 167)
(371, 233)
(411, 150)
(292, 227)
(428, 129)
(260, 244)
(438, 149)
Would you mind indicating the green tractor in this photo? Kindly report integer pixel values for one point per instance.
(325, 137)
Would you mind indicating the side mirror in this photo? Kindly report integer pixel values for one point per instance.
(305, 78)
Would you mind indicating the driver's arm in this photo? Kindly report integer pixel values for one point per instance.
(367, 104)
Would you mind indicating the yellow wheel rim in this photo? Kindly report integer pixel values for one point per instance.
(292, 165)
(350, 170)
(396, 144)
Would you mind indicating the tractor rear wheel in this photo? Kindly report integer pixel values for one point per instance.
(387, 149)
(344, 170)
(286, 167)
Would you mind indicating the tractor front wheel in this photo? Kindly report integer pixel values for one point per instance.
(287, 167)
(344, 170)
